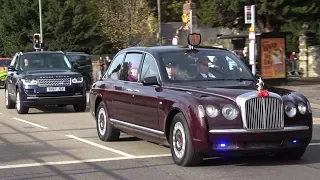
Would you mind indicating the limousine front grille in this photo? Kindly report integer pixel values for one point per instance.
(264, 113)
(54, 82)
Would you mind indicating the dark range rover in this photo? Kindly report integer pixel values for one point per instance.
(43, 78)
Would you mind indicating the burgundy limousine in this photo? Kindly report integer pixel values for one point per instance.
(200, 102)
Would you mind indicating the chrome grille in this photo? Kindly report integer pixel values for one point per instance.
(54, 82)
(264, 113)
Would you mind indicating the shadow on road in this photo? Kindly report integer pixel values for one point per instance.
(56, 109)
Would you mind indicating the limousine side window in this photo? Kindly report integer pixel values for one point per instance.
(149, 68)
(115, 67)
(130, 66)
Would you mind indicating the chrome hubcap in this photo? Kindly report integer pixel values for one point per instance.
(102, 121)
(179, 140)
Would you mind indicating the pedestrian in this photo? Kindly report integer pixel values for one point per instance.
(100, 67)
(108, 62)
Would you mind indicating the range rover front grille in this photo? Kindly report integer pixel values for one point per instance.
(54, 82)
(264, 113)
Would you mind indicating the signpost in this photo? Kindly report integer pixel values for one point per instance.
(249, 14)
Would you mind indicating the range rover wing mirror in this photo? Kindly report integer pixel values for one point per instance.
(76, 65)
(149, 81)
(11, 68)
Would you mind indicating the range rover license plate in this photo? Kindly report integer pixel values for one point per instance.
(56, 89)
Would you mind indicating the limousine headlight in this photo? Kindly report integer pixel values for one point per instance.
(229, 111)
(212, 111)
(290, 109)
(29, 82)
(302, 108)
(77, 80)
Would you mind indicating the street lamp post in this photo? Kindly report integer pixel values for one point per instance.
(159, 21)
(40, 18)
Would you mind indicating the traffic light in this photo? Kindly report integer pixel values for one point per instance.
(36, 41)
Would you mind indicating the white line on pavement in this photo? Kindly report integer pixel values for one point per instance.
(80, 161)
(31, 123)
(314, 144)
(100, 146)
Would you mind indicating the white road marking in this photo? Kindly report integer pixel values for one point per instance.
(100, 146)
(314, 144)
(80, 161)
(31, 123)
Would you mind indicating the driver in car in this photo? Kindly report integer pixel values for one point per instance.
(203, 65)
(173, 71)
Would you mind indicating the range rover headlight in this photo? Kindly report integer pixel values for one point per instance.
(212, 111)
(29, 82)
(290, 109)
(77, 80)
(229, 111)
(302, 108)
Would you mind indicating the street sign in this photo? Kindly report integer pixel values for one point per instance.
(252, 34)
(249, 11)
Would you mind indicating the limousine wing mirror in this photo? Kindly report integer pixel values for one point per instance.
(149, 81)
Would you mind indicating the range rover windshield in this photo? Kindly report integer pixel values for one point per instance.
(204, 65)
(44, 62)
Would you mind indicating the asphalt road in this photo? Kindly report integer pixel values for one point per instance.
(57, 143)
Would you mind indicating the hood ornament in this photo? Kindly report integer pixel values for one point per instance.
(262, 92)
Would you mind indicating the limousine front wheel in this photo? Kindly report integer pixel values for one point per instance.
(181, 146)
(106, 131)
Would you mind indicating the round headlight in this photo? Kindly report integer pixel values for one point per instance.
(212, 111)
(290, 109)
(302, 108)
(230, 112)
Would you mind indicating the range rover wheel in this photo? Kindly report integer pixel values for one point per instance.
(106, 131)
(81, 107)
(181, 146)
(9, 103)
(21, 108)
(292, 154)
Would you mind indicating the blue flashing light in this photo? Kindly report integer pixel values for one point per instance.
(222, 145)
(294, 141)
(35, 91)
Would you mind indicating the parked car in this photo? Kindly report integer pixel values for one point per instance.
(4, 63)
(43, 78)
(85, 66)
(169, 95)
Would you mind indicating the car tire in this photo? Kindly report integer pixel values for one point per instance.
(81, 107)
(9, 103)
(21, 108)
(182, 150)
(292, 154)
(106, 131)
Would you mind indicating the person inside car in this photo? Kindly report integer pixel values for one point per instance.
(203, 66)
(173, 71)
